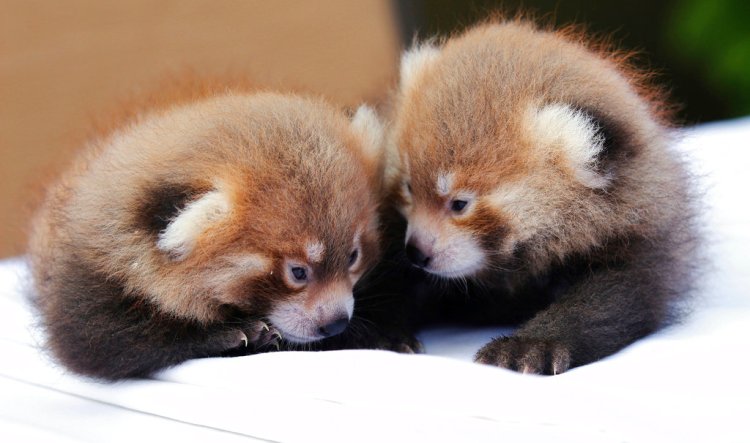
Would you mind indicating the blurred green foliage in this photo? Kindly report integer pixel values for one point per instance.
(700, 49)
(714, 36)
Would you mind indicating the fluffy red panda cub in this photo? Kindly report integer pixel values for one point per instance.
(194, 229)
(535, 174)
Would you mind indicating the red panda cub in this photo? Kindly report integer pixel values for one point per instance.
(194, 229)
(536, 175)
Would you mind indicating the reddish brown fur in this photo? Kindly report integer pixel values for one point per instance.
(624, 248)
(292, 169)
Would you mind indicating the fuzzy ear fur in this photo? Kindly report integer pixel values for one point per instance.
(414, 61)
(368, 126)
(556, 127)
(182, 232)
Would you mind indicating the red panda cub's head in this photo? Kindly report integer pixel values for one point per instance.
(516, 143)
(261, 204)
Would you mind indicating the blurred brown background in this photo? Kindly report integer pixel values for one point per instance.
(62, 63)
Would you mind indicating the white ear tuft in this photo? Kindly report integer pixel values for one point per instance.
(179, 238)
(367, 125)
(414, 61)
(557, 127)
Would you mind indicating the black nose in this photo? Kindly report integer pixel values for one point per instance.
(333, 328)
(416, 256)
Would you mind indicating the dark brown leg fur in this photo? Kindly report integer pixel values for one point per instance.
(606, 310)
(97, 331)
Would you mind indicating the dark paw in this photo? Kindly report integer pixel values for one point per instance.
(526, 355)
(262, 336)
(252, 337)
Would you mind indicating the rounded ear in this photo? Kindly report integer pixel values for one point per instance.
(561, 128)
(368, 127)
(414, 62)
(181, 233)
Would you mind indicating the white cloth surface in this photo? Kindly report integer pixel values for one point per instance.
(688, 383)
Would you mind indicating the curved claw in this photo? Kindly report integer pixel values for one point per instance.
(275, 340)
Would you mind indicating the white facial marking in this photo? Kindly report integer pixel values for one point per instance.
(179, 238)
(444, 183)
(366, 123)
(248, 263)
(459, 257)
(453, 252)
(524, 204)
(315, 251)
(299, 323)
(292, 321)
(414, 62)
(509, 194)
(234, 267)
(559, 126)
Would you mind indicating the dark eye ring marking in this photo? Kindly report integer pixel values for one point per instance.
(353, 257)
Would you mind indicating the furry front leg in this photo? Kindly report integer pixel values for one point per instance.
(603, 312)
(98, 331)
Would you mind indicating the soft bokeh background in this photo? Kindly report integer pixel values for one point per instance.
(64, 63)
(699, 48)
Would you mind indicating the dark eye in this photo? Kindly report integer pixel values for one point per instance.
(353, 257)
(408, 187)
(458, 205)
(299, 273)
